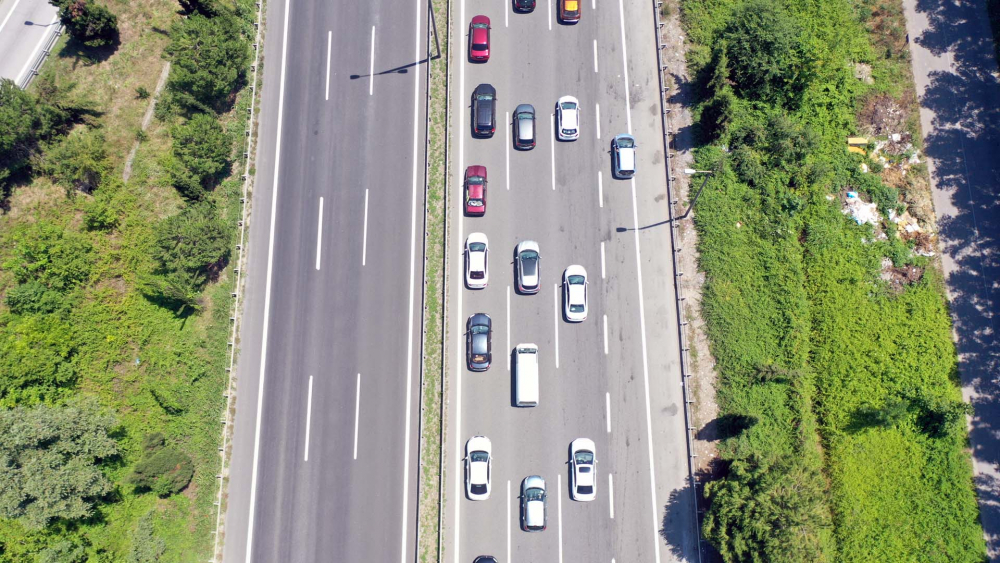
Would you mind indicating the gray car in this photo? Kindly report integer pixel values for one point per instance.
(529, 268)
(524, 127)
(479, 342)
(533, 501)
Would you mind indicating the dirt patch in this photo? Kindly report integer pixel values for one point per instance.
(899, 278)
(881, 114)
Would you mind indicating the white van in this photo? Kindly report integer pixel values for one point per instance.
(526, 375)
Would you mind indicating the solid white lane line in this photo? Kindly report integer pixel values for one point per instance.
(10, 13)
(607, 410)
(605, 335)
(404, 549)
(357, 412)
(597, 116)
(550, 15)
(364, 240)
(309, 410)
(508, 328)
(593, 6)
(507, 144)
(329, 45)
(642, 305)
(555, 301)
(508, 524)
(371, 68)
(559, 496)
(611, 496)
(506, 23)
(602, 259)
(457, 521)
(319, 232)
(34, 52)
(600, 191)
(552, 122)
(595, 55)
(267, 288)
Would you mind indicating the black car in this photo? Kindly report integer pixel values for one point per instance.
(524, 5)
(524, 127)
(484, 111)
(479, 342)
(485, 559)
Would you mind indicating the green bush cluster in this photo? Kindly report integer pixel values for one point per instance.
(89, 23)
(210, 60)
(843, 435)
(201, 151)
(164, 469)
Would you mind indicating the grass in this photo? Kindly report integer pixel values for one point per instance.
(434, 236)
(134, 355)
(813, 346)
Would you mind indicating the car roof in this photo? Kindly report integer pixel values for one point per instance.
(480, 319)
(524, 107)
(477, 237)
(527, 245)
(485, 89)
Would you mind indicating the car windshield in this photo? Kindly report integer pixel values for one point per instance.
(480, 329)
(625, 142)
(524, 115)
(478, 489)
(583, 456)
(484, 97)
(477, 274)
(529, 255)
(479, 456)
(475, 180)
(534, 493)
(475, 203)
(568, 105)
(477, 246)
(576, 280)
(479, 46)
(586, 489)
(479, 26)
(576, 308)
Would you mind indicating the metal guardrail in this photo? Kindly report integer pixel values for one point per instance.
(675, 249)
(40, 58)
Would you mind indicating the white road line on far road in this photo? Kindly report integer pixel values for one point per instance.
(559, 497)
(371, 68)
(597, 113)
(602, 259)
(364, 238)
(508, 328)
(508, 523)
(329, 45)
(267, 287)
(611, 496)
(605, 335)
(319, 233)
(555, 301)
(404, 549)
(11, 12)
(595, 55)
(607, 410)
(507, 144)
(458, 291)
(600, 194)
(357, 411)
(309, 410)
(552, 122)
(628, 110)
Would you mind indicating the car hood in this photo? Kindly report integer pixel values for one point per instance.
(477, 472)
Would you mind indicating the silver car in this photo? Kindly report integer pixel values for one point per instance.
(533, 501)
(529, 270)
(524, 127)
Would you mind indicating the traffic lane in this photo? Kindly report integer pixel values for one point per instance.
(24, 27)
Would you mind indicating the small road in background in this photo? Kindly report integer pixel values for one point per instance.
(955, 71)
(25, 28)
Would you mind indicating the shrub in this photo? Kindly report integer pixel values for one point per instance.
(91, 24)
(79, 161)
(210, 58)
(36, 351)
(201, 151)
(165, 470)
(50, 458)
(146, 547)
(142, 93)
(765, 52)
(18, 123)
(57, 257)
(33, 297)
(64, 551)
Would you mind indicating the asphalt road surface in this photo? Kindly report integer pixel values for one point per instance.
(615, 378)
(325, 446)
(955, 71)
(25, 25)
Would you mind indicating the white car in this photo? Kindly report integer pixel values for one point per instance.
(478, 467)
(477, 264)
(575, 294)
(568, 118)
(583, 480)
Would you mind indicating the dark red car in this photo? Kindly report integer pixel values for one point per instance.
(479, 39)
(475, 190)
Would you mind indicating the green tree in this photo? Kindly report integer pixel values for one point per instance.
(201, 151)
(769, 512)
(210, 58)
(765, 53)
(50, 254)
(51, 456)
(164, 469)
(209, 8)
(91, 24)
(36, 351)
(33, 297)
(146, 546)
(64, 551)
(18, 124)
(79, 161)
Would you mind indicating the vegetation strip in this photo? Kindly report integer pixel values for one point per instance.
(842, 425)
(115, 315)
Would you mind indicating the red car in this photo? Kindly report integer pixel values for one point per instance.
(479, 39)
(475, 190)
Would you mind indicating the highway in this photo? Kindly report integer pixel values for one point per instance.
(324, 453)
(25, 25)
(615, 378)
